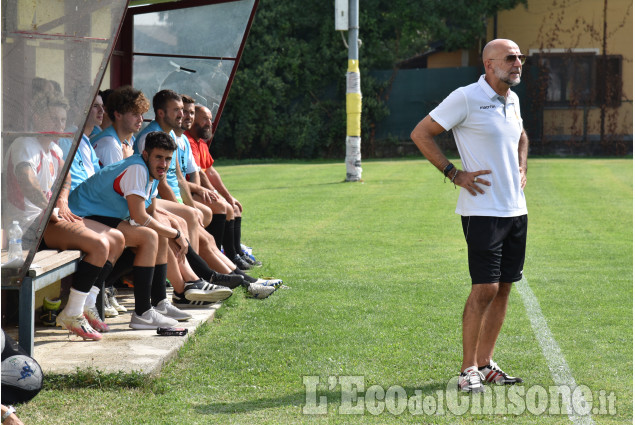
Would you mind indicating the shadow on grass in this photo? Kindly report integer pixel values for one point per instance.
(261, 189)
(299, 400)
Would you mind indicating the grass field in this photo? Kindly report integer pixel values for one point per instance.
(378, 278)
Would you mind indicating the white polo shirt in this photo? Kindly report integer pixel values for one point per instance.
(487, 131)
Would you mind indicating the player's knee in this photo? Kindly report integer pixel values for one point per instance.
(117, 243)
(99, 249)
(149, 239)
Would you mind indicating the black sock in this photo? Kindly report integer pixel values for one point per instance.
(123, 266)
(105, 271)
(85, 276)
(237, 225)
(158, 284)
(217, 228)
(197, 263)
(228, 240)
(244, 275)
(142, 288)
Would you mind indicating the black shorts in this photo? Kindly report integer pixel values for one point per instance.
(495, 247)
(108, 221)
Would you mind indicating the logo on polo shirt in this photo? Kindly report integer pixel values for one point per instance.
(488, 107)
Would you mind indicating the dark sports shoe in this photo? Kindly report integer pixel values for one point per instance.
(180, 301)
(493, 373)
(240, 263)
(251, 260)
(471, 381)
(229, 280)
(205, 291)
(50, 310)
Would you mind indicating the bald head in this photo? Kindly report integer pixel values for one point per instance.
(503, 65)
(499, 48)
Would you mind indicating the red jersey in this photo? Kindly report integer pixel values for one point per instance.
(200, 151)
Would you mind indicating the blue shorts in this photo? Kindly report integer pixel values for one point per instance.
(495, 247)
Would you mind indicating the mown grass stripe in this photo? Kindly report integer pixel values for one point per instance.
(551, 350)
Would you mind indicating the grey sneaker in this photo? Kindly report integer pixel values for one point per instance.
(166, 308)
(151, 319)
(256, 290)
(202, 290)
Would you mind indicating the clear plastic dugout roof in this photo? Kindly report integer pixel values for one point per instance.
(54, 54)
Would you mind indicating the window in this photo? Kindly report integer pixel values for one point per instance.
(580, 79)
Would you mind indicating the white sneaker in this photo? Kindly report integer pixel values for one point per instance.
(257, 290)
(151, 319)
(166, 308)
(112, 299)
(109, 310)
(471, 380)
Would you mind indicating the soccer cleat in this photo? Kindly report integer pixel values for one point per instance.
(180, 301)
(240, 263)
(471, 380)
(205, 291)
(251, 260)
(78, 325)
(151, 319)
(92, 315)
(109, 310)
(229, 280)
(112, 299)
(269, 281)
(168, 310)
(256, 290)
(493, 373)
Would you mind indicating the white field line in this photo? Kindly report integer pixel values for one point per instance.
(551, 350)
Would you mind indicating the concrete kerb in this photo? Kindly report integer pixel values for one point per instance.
(121, 350)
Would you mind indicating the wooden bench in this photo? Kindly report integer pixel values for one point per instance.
(48, 267)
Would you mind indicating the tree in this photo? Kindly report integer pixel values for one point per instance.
(287, 99)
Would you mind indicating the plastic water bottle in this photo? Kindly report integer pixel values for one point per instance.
(15, 242)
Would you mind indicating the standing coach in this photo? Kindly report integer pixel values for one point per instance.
(488, 130)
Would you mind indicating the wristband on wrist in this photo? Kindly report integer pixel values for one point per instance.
(10, 410)
(447, 169)
(456, 173)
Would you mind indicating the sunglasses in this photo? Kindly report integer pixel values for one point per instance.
(511, 59)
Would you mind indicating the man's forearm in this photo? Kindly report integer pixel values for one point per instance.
(30, 186)
(217, 182)
(523, 150)
(205, 180)
(423, 137)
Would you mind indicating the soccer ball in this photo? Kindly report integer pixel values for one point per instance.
(22, 373)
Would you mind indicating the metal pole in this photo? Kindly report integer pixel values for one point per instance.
(353, 98)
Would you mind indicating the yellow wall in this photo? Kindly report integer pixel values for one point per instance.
(444, 60)
(575, 24)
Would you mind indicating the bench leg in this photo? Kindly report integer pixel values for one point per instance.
(27, 304)
(100, 301)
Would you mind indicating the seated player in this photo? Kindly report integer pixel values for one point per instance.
(125, 108)
(198, 135)
(32, 165)
(123, 196)
(168, 108)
